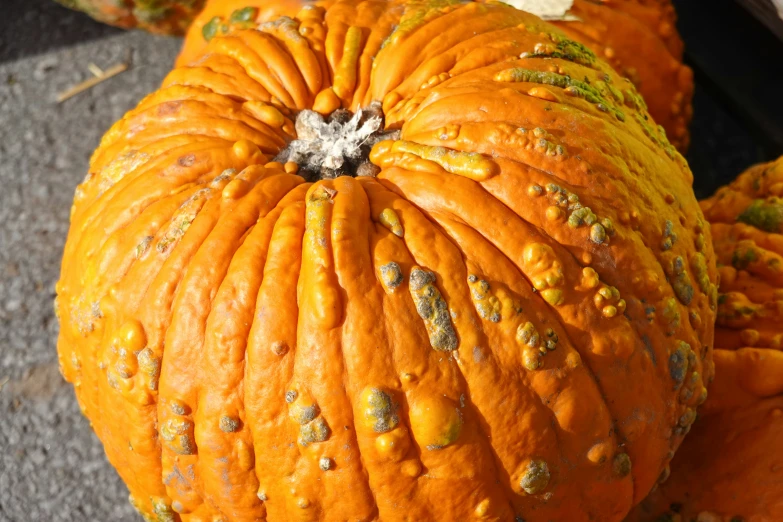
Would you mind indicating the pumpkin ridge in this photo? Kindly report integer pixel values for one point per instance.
(271, 343)
(93, 207)
(462, 380)
(201, 275)
(228, 421)
(254, 249)
(609, 277)
(484, 434)
(154, 369)
(352, 187)
(168, 104)
(446, 26)
(319, 368)
(398, 316)
(116, 226)
(189, 446)
(354, 231)
(229, 67)
(280, 65)
(175, 201)
(102, 259)
(188, 108)
(182, 102)
(139, 248)
(254, 64)
(598, 198)
(175, 296)
(453, 88)
(404, 484)
(286, 32)
(563, 335)
(390, 199)
(215, 131)
(214, 80)
(537, 296)
(438, 226)
(484, 32)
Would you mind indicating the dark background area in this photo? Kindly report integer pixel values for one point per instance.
(31, 27)
(738, 102)
(52, 468)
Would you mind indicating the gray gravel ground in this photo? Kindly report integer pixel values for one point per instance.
(52, 467)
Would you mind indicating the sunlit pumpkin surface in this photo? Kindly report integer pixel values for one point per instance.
(500, 308)
(730, 468)
(638, 38)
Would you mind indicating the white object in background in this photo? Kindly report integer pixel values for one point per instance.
(547, 9)
(779, 5)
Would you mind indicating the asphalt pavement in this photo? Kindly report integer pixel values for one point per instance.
(52, 467)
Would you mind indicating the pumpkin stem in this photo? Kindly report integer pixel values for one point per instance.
(338, 145)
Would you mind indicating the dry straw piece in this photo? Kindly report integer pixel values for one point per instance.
(99, 77)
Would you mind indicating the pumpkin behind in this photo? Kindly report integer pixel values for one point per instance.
(155, 16)
(640, 40)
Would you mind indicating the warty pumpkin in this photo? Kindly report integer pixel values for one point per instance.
(730, 468)
(156, 16)
(637, 37)
(367, 263)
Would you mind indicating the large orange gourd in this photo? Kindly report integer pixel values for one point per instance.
(637, 37)
(730, 468)
(507, 314)
(156, 16)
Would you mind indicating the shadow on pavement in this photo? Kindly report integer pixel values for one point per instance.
(30, 27)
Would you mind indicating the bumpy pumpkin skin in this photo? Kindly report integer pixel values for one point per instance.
(742, 421)
(747, 222)
(637, 37)
(641, 42)
(156, 16)
(513, 319)
(730, 467)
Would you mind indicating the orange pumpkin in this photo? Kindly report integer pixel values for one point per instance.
(731, 465)
(156, 16)
(367, 263)
(637, 37)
